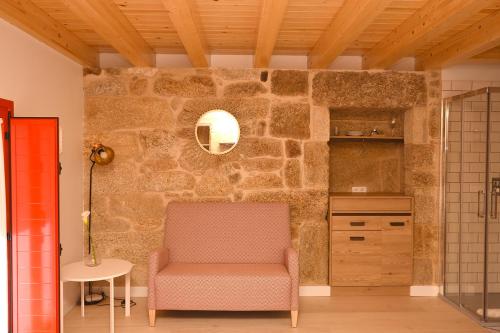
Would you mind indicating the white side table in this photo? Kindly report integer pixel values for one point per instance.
(107, 270)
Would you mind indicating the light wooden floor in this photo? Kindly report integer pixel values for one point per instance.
(339, 314)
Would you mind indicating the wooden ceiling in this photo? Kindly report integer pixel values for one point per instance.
(436, 32)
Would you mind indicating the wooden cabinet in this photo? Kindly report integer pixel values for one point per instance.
(370, 240)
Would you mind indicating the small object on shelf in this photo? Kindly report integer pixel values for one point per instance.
(393, 126)
(335, 131)
(354, 133)
(376, 132)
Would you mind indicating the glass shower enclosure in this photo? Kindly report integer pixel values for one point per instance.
(471, 195)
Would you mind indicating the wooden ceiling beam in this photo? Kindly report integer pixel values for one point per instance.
(271, 17)
(182, 18)
(434, 18)
(30, 18)
(350, 21)
(105, 17)
(478, 38)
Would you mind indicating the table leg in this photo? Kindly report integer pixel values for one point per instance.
(111, 306)
(61, 307)
(82, 299)
(127, 295)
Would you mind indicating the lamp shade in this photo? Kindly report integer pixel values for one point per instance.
(102, 155)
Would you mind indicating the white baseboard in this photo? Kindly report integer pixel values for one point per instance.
(314, 291)
(424, 291)
(143, 291)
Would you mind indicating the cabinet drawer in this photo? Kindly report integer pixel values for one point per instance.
(356, 258)
(355, 223)
(355, 271)
(356, 243)
(370, 204)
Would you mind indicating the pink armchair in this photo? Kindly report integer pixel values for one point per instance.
(227, 257)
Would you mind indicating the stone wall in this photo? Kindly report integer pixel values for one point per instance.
(148, 116)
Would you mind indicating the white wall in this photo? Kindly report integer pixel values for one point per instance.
(42, 82)
(466, 77)
(109, 60)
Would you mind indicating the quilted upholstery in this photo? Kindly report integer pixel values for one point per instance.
(232, 287)
(225, 256)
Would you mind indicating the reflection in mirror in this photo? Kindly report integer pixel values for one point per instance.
(217, 132)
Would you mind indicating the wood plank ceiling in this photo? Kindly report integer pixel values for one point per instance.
(436, 32)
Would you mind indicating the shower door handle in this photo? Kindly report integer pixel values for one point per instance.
(480, 193)
(494, 204)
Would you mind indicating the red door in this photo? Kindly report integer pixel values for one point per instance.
(35, 224)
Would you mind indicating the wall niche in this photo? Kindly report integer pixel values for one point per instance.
(373, 160)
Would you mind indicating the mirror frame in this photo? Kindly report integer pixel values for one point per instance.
(198, 140)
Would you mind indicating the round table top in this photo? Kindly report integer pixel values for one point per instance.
(109, 268)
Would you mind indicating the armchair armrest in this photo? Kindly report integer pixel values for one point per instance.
(158, 259)
(292, 265)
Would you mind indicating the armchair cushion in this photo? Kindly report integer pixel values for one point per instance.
(232, 287)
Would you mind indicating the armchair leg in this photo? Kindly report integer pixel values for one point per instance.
(152, 318)
(295, 317)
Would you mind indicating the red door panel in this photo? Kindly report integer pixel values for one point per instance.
(35, 224)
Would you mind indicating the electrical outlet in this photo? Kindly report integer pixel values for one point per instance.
(359, 189)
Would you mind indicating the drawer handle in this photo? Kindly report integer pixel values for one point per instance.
(357, 223)
(357, 238)
(397, 224)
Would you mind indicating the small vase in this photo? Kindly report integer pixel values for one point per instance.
(92, 258)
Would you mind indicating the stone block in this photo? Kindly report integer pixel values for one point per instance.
(213, 184)
(104, 86)
(293, 148)
(262, 181)
(188, 86)
(166, 181)
(316, 164)
(289, 82)
(419, 156)
(237, 74)
(423, 271)
(293, 174)
(144, 211)
(258, 147)
(305, 205)
(369, 89)
(314, 253)
(138, 86)
(262, 164)
(244, 89)
(425, 240)
(108, 113)
(158, 165)
(320, 124)
(157, 144)
(290, 120)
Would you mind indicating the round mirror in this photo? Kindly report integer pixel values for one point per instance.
(217, 132)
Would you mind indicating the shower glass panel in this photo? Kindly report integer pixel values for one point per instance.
(472, 191)
(493, 226)
(471, 195)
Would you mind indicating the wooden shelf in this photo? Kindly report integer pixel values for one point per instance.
(367, 138)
